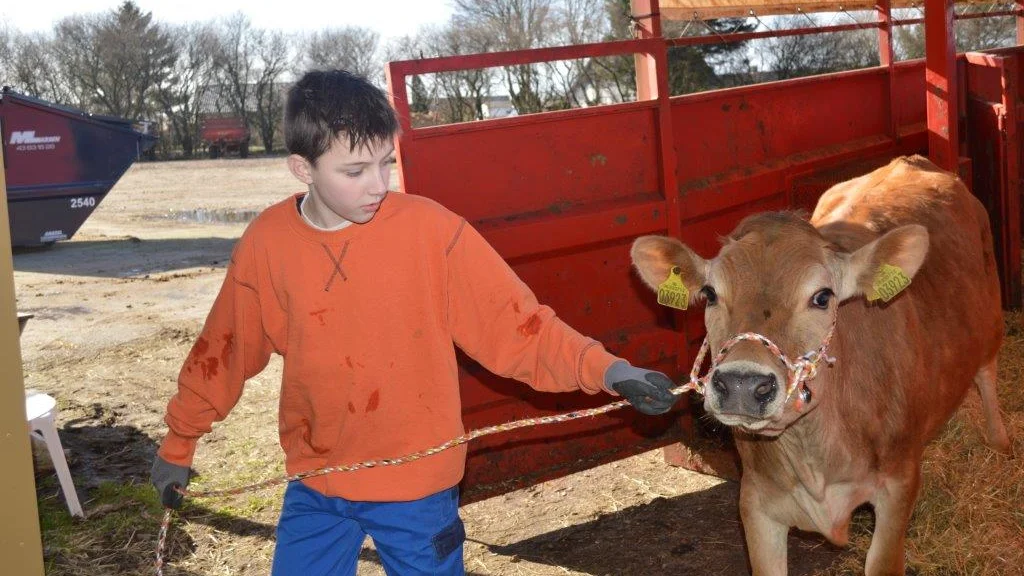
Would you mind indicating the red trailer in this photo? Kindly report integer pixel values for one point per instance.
(561, 195)
(225, 135)
(60, 164)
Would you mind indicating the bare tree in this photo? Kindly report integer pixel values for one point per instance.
(351, 48)
(115, 59)
(619, 71)
(250, 64)
(6, 55)
(463, 92)
(181, 94)
(795, 56)
(514, 25)
(78, 62)
(423, 97)
(591, 81)
(419, 96)
(449, 96)
(978, 34)
(986, 33)
(233, 61)
(272, 56)
(34, 71)
(581, 82)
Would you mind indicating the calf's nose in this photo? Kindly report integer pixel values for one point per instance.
(746, 393)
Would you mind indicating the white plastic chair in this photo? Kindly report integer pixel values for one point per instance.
(41, 410)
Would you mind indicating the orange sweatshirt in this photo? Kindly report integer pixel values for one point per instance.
(367, 319)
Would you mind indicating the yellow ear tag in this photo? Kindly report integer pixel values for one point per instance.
(673, 292)
(889, 282)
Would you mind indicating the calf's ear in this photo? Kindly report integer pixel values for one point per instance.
(655, 256)
(884, 267)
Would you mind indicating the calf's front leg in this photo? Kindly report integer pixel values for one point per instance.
(766, 537)
(894, 503)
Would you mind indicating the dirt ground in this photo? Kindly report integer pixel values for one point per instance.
(116, 310)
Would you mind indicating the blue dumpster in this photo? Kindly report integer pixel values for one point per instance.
(60, 163)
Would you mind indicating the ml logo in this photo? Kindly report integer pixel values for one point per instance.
(29, 137)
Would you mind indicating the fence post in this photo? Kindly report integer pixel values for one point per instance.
(887, 58)
(20, 543)
(941, 84)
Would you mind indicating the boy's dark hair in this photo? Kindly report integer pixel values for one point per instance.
(325, 104)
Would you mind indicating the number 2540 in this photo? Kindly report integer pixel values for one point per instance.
(83, 202)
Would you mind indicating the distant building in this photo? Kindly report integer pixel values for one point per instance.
(498, 107)
(216, 101)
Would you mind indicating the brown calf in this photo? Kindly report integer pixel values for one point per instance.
(856, 434)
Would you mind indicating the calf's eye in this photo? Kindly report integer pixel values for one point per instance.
(821, 298)
(710, 295)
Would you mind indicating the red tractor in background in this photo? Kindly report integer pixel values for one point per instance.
(225, 135)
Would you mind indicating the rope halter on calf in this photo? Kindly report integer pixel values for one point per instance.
(800, 371)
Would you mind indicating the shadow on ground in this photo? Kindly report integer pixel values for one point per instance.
(697, 533)
(124, 257)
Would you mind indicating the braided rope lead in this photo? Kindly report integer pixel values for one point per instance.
(800, 370)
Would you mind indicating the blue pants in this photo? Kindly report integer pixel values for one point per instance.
(321, 536)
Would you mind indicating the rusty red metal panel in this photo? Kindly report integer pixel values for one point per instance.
(754, 125)
(993, 99)
(530, 166)
(909, 96)
(567, 230)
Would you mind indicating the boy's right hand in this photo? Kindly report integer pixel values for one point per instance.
(166, 477)
(648, 391)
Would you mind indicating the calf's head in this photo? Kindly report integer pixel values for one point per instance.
(777, 276)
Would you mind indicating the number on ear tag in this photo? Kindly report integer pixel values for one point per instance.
(889, 282)
(673, 292)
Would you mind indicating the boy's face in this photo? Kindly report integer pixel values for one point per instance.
(346, 184)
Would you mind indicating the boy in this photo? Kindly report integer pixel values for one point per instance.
(364, 292)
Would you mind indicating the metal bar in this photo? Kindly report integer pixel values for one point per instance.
(400, 102)
(1020, 21)
(941, 89)
(887, 58)
(993, 14)
(646, 68)
(742, 36)
(518, 57)
(785, 85)
(1011, 188)
(20, 543)
(1019, 12)
(655, 76)
(528, 119)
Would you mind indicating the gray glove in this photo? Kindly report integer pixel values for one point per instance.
(166, 477)
(648, 391)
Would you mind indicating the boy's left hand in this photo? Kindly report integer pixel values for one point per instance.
(648, 391)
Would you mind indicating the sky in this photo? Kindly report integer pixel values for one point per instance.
(391, 18)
